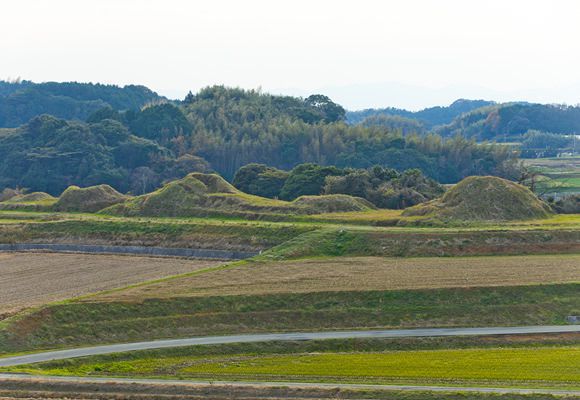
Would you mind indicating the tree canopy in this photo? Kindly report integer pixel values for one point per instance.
(224, 129)
(384, 187)
(49, 154)
(21, 101)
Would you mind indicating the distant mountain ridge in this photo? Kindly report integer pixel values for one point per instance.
(511, 121)
(429, 117)
(21, 101)
(478, 119)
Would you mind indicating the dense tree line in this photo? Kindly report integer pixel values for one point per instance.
(49, 154)
(21, 101)
(224, 129)
(260, 180)
(384, 187)
(545, 144)
(233, 127)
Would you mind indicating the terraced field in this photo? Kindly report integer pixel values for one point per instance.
(557, 176)
(361, 274)
(315, 273)
(32, 279)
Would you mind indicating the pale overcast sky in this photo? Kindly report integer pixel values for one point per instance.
(364, 53)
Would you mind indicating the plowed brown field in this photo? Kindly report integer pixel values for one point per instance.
(30, 279)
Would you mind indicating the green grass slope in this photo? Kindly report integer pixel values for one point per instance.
(484, 198)
(85, 322)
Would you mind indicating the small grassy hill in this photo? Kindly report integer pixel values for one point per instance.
(208, 194)
(36, 201)
(90, 199)
(483, 198)
(32, 198)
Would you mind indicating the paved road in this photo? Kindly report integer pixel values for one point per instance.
(303, 385)
(391, 333)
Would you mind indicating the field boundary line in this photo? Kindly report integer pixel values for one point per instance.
(296, 385)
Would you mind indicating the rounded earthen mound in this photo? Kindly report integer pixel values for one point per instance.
(31, 197)
(484, 198)
(214, 183)
(90, 199)
(333, 203)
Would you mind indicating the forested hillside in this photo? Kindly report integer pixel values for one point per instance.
(512, 120)
(49, 154)
(428, 117)
(222, 129)
(22, 100)
(232, 128)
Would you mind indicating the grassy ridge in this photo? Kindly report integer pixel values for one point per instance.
(402, 243)
(297, 239)
(71, 324)
(161, 232)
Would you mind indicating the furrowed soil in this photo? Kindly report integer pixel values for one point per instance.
(360, 274)
(32, 279)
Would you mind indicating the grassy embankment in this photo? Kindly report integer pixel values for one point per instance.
(21, 227)
(83, 323)
(342, 234)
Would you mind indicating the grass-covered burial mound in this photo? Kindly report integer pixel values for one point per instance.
(484, 198)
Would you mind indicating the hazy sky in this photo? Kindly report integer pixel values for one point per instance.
(405, 53)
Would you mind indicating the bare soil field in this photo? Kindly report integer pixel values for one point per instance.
(363, 273)
(31, 279)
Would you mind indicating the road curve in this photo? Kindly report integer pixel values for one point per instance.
(269, 337)
(296, 385)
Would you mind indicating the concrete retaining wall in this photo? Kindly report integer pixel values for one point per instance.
(140, 250)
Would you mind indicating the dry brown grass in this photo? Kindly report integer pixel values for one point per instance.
(363, 273)
(31, 279)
